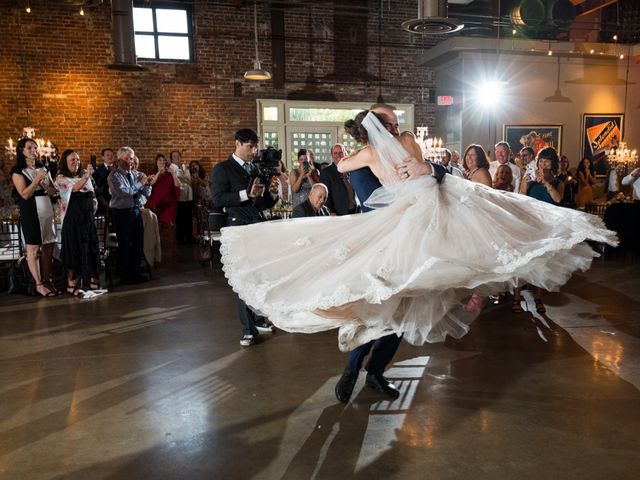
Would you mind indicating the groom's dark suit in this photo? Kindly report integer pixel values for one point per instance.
(228, 179)
(364, 182)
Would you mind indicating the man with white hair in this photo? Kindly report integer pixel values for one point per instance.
(128, 189)
(313, 206)
(503, 154)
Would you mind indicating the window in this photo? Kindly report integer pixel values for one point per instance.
(163, 32)
(295, 124)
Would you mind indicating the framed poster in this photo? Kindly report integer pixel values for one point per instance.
(600, 132)
(535, 136)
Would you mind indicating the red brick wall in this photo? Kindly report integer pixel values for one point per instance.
(77, 102)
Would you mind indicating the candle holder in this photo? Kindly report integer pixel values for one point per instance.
(432, 148)
(46, 150)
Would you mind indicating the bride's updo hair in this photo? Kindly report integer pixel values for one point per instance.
(356, 130)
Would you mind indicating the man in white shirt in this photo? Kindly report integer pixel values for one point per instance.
(503, 154)
(632, 179)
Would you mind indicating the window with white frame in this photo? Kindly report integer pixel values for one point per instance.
(293, 125)
(163, 32)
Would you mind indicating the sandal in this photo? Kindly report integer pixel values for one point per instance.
(475, 304)
(74, 290)
(49, 292)
(94, 285)
(540, 306)
(517, 306)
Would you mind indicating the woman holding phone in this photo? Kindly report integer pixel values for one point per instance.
(303, 178)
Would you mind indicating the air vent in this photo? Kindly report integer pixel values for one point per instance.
(432, 19)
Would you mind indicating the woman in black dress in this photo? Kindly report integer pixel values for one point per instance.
(33, 184)
(80, 252)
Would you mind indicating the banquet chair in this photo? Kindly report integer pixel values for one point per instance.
(211, 234)
(10, 248)
(108, 247)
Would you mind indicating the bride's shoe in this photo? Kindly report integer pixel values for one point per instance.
(475, 304)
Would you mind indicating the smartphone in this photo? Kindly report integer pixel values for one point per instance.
(92, 161)
(305, 165)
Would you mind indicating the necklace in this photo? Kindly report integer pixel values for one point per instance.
(474, 171)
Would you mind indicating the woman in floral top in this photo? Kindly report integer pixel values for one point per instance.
(80, 252)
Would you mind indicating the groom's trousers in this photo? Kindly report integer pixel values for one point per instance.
(383, 351)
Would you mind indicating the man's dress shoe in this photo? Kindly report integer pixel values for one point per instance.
(345, 385)
(381, 385)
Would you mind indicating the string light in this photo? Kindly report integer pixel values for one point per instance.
(81, 11)
(513, 32)
(28, 9)
(621, 56)
(591, 51)
(615, 38)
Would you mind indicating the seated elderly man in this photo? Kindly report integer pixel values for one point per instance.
(314, 205)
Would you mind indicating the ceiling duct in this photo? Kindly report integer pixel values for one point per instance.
(122, 34)
(432, 19)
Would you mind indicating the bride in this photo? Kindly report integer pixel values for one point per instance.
(408, 266)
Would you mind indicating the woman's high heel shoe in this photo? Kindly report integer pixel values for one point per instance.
(49, 292)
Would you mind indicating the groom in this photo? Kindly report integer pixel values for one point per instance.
(382, 350)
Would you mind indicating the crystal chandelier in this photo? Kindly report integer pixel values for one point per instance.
(621, 156)
(432, 148)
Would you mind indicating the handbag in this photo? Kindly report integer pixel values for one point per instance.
(20, 280)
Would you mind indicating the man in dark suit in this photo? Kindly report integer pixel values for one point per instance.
(341, 200)
(382, 350)
(100, 177)
(243, 198)
(313, 206)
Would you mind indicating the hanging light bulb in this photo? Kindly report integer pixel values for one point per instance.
(513, 32)
(615, 38)
(591, 51)
(257, 73)
(550, 52)
(621, 56)
(28, 9)
(82, 11)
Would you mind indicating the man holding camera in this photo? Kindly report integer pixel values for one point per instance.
(243, 198)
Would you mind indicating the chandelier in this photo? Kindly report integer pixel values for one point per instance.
(622, 157)
(432, 148)
(46, 150)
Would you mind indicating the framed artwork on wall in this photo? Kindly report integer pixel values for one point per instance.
(535, 136)
(600, 132)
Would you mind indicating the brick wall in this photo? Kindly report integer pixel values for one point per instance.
(54, 61)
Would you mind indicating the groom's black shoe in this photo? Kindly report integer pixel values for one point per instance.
(381, 385)
(345, 385)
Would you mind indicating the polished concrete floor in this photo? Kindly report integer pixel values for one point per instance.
(149, 382)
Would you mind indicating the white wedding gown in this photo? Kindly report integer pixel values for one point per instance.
(408, 266)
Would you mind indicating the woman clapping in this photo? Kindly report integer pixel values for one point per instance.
(33, 184)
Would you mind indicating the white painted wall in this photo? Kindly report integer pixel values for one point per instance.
(593, 85)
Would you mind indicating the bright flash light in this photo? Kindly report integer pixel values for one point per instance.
(489, 93)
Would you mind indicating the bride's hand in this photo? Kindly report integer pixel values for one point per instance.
(412, 167)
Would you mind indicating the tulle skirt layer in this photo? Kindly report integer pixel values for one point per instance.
(407, 267)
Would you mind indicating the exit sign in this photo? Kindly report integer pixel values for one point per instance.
(445, 100)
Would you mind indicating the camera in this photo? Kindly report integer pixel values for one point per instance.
(305, 165)
(265, 165)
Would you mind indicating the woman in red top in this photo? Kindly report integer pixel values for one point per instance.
(165, 192)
